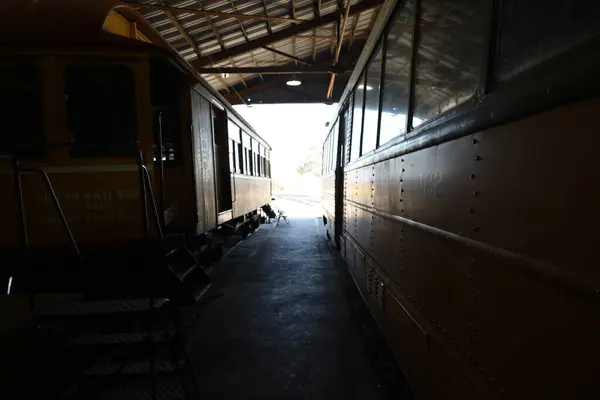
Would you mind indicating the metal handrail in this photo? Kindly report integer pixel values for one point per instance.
(57, 205)
(157, 220)
(144, 181)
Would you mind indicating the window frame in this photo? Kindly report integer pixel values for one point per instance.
(482, 87)
(63, 65)
(379, 46)
(39, 140)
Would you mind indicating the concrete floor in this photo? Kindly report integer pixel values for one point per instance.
(289, 324)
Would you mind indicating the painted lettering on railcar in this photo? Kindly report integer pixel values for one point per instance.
(98, 206)
(430, 183)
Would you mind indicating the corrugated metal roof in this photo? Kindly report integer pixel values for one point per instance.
(194, 36)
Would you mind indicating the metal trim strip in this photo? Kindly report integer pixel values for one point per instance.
(83, 169)
(551, 273)
(426, 327)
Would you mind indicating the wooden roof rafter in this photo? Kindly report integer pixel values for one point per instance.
(282, 34)
(341, 33)
(210, 13)
(240, 50)
(241, 25)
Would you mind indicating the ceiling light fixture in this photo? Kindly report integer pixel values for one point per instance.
(363, 86)
(225, 75)
(293, 82)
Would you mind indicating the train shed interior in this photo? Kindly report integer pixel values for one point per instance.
(150, 251)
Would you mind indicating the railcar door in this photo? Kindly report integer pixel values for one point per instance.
(223, 173)
(204, 163)
(172, 157)
(340, 150)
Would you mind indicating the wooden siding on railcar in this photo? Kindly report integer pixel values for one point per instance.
(328, 201)
(204, 163)
(250, 193)
(99, 195)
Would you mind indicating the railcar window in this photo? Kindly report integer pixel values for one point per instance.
(258, 170)
(235, 146)
(533, 31)
(240, 158)
(165, 98)
(357, 118)
(324, 158)
(449, 61)
(347, 131)
(328, 154)
(233, 130)
(171, 135)
(231, 146)
(335, 133)
(247, 160)
(333, 146)
(101, 109)
(254, 159)
(330, 151)
(21, 115)
(372, 89)
(396, 80)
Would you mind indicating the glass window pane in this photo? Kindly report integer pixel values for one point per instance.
(246, 140)
(357, 118)
(21, 115)
(396, 79)
(331, 152)
(335, 144)
(324, 158)
(231, 156)
(372, 103)
(101, 109)
(533, 31)
(450, 56)
(240, 158)
(234, 131)
(347, 134)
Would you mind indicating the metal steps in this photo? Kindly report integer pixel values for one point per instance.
(121, 349)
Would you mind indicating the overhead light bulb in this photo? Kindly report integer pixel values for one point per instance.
(293, 82)
(225, 75)
(363, 86)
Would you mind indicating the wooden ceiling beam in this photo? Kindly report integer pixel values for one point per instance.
(234, 8)
(282, 34)
(291, 57)
(330, 37)
(273, 70)
(354, 26)
(211, 13)
(269, 29)
(293, 37)
(317, 13)
(183, 32)
(342, 31)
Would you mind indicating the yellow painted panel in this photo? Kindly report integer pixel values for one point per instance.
(117, 24)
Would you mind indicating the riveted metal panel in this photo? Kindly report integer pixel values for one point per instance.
(519, 323)
(437, 185)
(387, 246)
(537, 188)
(410, 341)
(387, 188)
(435, 277)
